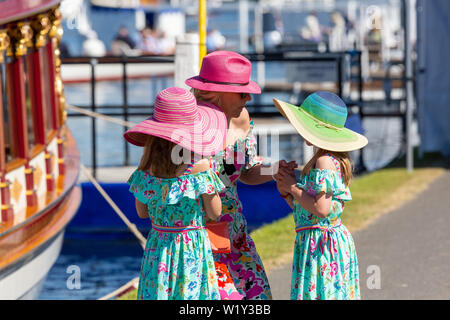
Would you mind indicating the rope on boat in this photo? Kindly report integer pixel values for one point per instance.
(119, 212)
(133, 284)
(101, 116)
(86, 172)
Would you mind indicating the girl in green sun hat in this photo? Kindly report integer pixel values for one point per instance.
(325, 265)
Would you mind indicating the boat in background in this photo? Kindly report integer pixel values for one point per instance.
(39, 159)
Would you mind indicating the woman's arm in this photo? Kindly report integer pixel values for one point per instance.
(212, 205)
(141, 209)
(257, 174)
(319, 205)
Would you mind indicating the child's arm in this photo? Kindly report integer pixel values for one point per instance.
(141, 209)
(211, 202)
(319, 205)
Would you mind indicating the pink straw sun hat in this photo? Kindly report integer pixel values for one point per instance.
(177, 117)
(224, 71)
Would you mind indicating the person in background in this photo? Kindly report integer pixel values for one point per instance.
(123, 44)
(149, 42)
(177, 196)
(214, 40)
(313, 30)
(325, 265)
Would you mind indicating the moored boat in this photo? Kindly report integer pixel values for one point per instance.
(39, 160)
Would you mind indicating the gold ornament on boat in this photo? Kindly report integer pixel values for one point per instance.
(56, 30)
(41, 26)
(4, 43)
(55, 33)
(20, 35)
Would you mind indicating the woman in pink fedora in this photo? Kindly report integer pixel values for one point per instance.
(224, 81)
(177, 196)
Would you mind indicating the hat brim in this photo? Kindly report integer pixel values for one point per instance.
(321, 136)
(206, 137)
(197, 83)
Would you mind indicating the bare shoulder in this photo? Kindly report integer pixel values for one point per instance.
(325, 162)
(242, 122)
(200, 166)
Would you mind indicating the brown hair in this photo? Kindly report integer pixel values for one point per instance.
(343, 159)
(157, 158)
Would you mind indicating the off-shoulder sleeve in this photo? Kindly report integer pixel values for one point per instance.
(157, 191)
(251, 151)
(138, 183)
(193, 186)
(323, 180)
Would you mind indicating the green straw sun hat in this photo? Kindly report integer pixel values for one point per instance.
(320, 120)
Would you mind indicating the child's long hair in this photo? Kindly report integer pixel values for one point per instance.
(342, 157)
(157, 158)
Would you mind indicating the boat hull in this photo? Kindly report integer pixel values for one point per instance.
(23, 278)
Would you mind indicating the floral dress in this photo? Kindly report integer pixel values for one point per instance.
(178, 262)
(325, 265)
(243, 263)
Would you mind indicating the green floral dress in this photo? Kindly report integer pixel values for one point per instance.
(178, 262)
(325, 265)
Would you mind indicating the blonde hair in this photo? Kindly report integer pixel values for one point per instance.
(343, 159)
(212, 97)
(157, 157)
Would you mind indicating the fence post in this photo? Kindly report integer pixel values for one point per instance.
(93, 63)
(125, 107)
(186, 58)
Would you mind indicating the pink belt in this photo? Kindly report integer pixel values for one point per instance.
(325, 238)
(173, 229)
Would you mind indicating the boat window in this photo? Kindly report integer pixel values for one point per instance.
(28, 104)
(48, 107)
(6, 115)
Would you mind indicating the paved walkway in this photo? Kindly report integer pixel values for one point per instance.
(409, 248)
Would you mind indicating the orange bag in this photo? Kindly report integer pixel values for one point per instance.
(219, 236)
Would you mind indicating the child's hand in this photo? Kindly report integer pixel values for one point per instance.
(291, 165)
(285, 180)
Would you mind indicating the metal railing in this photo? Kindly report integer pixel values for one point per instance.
(350, 73)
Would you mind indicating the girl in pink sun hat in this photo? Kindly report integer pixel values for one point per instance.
(178, 196)
(224, 80)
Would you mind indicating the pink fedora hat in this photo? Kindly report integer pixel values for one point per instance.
(224, 71)
(177, 117)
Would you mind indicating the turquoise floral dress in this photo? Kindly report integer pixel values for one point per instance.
(325, 265)
(178, 262)
(243, 263)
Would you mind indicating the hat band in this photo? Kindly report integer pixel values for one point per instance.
(226, 83)
(320, 122)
